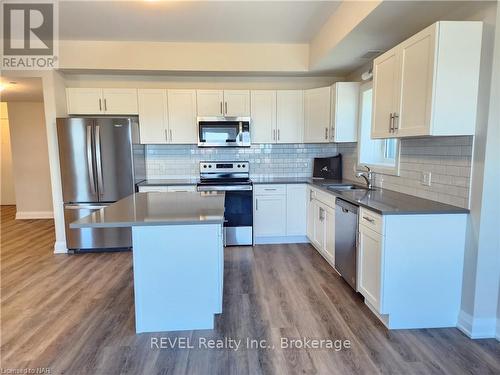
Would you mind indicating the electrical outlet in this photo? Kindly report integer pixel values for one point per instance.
(425, 178)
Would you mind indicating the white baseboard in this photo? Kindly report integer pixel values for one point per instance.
(28, 215)
(280, 240)
(60, 247)
(477, 328)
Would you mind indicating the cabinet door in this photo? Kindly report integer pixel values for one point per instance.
(236, 103)
(84, 101)
(263, 113)
(319, 225)
(120, 101)
(385, 90)
(329, 233)
(210, 102)
(152, 116)
(317, 115)
(417, 71)
(269, 215)
(345, 101)
(290, 116)
(182, 116)
(296, 210)
(310, 214)
(370, 265)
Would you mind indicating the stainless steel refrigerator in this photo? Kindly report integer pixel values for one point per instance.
(101, 161)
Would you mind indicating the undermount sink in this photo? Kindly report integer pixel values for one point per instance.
(335, 187)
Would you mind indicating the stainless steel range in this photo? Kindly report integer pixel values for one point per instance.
(233, 177)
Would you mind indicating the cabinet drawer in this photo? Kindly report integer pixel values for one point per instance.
(144, 189)
(182, 188)
(371, 220)
(270, 189)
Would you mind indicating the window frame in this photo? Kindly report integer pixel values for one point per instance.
(377, 168)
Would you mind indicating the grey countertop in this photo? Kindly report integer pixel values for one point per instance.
(142, 209)
(382, 201)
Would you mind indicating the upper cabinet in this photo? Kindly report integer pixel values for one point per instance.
(92, 101)
(317, 115)
(263, 113)
(289, 116)
(223, 102)
(277, 116)
(167, 116)
(344, 109)
(428, 85)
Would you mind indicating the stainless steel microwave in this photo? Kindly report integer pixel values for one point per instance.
(224, 132)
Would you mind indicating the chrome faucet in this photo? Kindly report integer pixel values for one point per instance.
(367, 175)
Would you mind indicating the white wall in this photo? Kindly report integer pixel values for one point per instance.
(30, 160)
(7, 192)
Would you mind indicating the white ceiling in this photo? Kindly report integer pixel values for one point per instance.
(21, 89)
(194, 21)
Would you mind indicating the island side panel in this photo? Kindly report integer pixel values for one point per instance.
(177, 276)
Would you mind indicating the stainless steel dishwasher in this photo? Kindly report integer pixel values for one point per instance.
(346, 229)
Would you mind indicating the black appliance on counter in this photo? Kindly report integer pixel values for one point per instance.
(232, 177)
(329, 168)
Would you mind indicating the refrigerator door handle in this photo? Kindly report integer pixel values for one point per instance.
(100, 183)
(89, 158)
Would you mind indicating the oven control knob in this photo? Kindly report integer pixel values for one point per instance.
(205, 166)
(239, 166)
(209, 166)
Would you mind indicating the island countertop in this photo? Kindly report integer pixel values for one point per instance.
(157, 208)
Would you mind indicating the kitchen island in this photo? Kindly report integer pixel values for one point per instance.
(178, 257)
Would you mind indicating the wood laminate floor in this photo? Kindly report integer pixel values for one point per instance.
(74, 314)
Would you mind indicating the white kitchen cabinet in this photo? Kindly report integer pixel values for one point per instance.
(263, 113)
(152, 116)
(317, 115)
(95, 101)
(182, 116)
(269, 215)
(210, 102)
(310, 213)
(370, 266)
(329, 232)
(296, 208)
(319, 220)
(428, 84)
(84, 101)
(289, 116)
(120, 101)
(236, 103)
(344, 111)
(223, 102)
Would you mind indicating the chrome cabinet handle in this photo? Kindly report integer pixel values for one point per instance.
(274, 134)
(221, 112)
(395, 122)
(278, 134)
(89, 158)
(321, 214)
(170, 131)
(225, 108)
(166, 135)
(100, 105)
(326, 133)
(105, 105)
(391, 122)
(368, 219)
(269, 189)
(311, 195)
(332, 132)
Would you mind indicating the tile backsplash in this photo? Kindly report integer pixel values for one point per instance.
(447, 158)
(266, 160)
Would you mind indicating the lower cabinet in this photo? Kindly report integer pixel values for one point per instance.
(321, 223)
(269, 217)
(370, 265)
(280, 213)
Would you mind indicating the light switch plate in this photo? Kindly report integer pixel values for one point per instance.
(425, 178)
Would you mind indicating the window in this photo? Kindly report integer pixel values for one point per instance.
(381, 155)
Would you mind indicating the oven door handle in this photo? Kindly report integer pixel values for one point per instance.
(225, 188)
